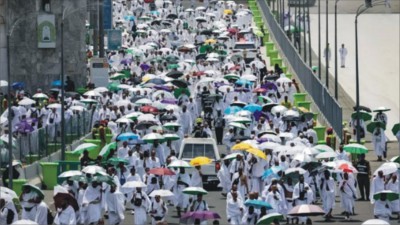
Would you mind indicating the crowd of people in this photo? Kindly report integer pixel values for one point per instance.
(185, 80)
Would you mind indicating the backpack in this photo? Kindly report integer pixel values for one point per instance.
(12, 114)
(34, 114)
(219, 122)
(10, 216)
(50, 217)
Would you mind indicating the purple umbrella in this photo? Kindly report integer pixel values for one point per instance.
(169, 101)
(162, 87)
(241, 89)
(262, 140)
(144, 67)
(201, 215)
(270, 86)
(24, 127)
(258, 114)
(219, 84)
(126, 61)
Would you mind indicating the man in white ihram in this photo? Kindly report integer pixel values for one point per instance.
(343, 54)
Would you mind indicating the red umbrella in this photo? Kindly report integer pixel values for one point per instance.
(201, 215)
(199, 73)
(162, 171)
(348, 168)
(237, 67)
(232, 30)
(149, 109)
(259, 90)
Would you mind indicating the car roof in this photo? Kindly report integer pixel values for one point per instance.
(198, 141)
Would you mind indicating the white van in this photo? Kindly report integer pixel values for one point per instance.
(247, 50)
(194, 147)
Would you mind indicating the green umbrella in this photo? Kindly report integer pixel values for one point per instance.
(172, 58)
(113, 86)
(270, 218)
(173, 66)
(355, 149)
(391, 196)
(395, 159)
(178, 92)
(314, 68)
(194, 191)
(396, 129)
(171, 125)
(171, 137)
(371, 126)
(264, 99)
(258, 33)
(35, 189)
(116, 161)
(232, 76)
(85, 146)
(106, 149)
(80, 178)
(102, 178)
(362, 115)
(117, 76)
(81, 90)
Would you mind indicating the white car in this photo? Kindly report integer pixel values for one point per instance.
(194, 147)
(248, 50)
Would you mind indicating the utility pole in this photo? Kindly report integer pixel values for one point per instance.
(94, 25)
(101, 24)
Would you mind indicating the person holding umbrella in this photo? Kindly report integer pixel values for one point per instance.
(65, 215)
(392, 184)
(348, 195)
(199, 205)
(379, 141)
(115, 206)
(158, 210)
(29, 199)
(234, 209)
(381, 208)
(8, 212)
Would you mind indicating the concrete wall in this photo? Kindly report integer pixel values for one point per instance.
(39, 67)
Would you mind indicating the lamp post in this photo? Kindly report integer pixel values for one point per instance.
(304, 29)
(361, 9)
(336, 51)
(327, 47)
(319, 39)
(309, 36)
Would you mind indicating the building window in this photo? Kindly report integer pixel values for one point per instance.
(45, 5)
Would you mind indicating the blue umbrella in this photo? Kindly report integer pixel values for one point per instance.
(253, 107)
(258, 204)
(18, 85)
(56, 83)
(271, 171)
(127, 136)
(232, 110)
(155, 13)
(129, 18)
(243, 82)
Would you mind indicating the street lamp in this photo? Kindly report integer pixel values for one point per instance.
(326, 48)
(361, 9)
(319, 39)
(336, 51)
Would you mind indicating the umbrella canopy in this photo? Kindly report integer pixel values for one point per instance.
(161, 171)
(381, 109)
(194, 191)
(257, 152)
(258, 204)
(116, 161)
(253, 107)
(106, 149)
(270, 218)
(390, 195)
(326, 155)
(355, 149)
(179, 164)
(24, 222)
(7, 191)
(237, 125)
(242, 146)
(26, 102)
(362, 115)
(306, 210)
(373, 125)
(375, 222)
(396, 129)
(35, 189)
(85, 146)
(161, 193)
(201, 160)
(127, 136)
(171, 125)
(323, 148)
(201, 215)
(395, 159)
(171, 137)
(134, 184)
(232, 156)
(70, 173)
(387, 168)
(150, 138)
(93, 169)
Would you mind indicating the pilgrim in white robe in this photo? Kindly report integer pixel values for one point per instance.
(115, 205)
(66, 216)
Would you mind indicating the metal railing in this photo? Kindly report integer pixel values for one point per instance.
(327, 104)
(42, 142)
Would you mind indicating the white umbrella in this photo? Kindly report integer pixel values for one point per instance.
(124, 86)
(87, 100)
(310, 151)
(92, 94)
(287, 135)
(283, 80)
(26, 101)
(232, 155)
(301, 157)
(179, 164)
(146, 117)
(152, 137)
(194, 191)
(237, 125)
(24, 222)
(295, 170)
(375, 222)
(100, 89)
(3, 83)
(134, 184)
(268, 145)
(40, 95)
(143, 101)
(323, 148)
(84, 146)
(122, 103)
(77, 108)
(70, 173)
(326, 155)
(249, 77)
(133, 115)
(93, 169)
(241, 120)
(291, 113)
(161, 193)
(60, 189)
(124, 120)
(54, 106)
(278, 109)
(5, 190)
(387, 168)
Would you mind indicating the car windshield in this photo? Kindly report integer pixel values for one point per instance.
(195, 150)
(245, 46)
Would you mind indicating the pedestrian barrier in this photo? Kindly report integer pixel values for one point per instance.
(327, 105)
(49, 171)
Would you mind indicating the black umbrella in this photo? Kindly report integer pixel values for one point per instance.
(266, 132)
(157, 81)
(308, 116)
(240, 138)
(166, 23)
(145, 125)
(180, 83)
(291, 118)
(267, 107)
(272, 77)
(214, 96)
(174, 74)
(201, 56)
(201, 20)
(206, 32)
(363, 108)
(156, 22)
(169, 117)
(172, 16)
